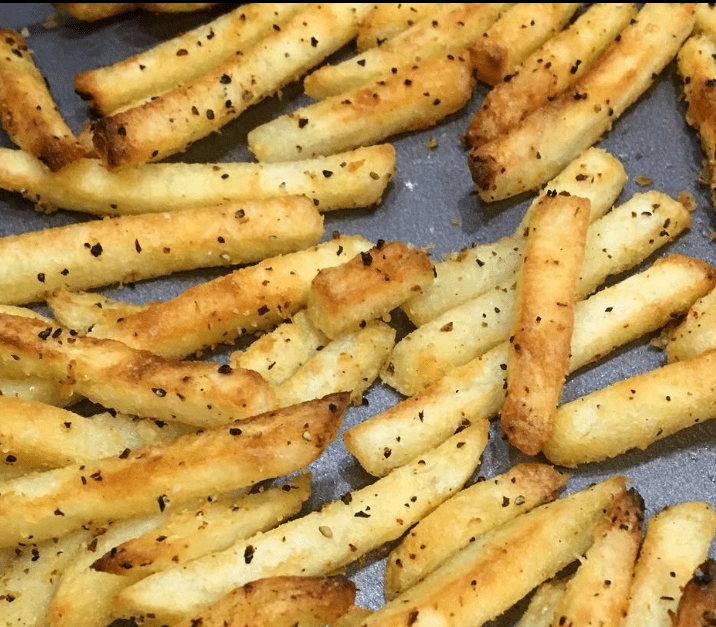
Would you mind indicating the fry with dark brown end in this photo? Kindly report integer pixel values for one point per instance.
(538, 358)
(697, 606)
(27, 110)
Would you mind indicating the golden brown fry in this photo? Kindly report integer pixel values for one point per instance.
(515, 35)
(558, 63)
(539, 347)
(388, 19)
(696, 333)
(415, 97)
(542, 604)
(697, 606)
(168, 124)
(356, 178)
(27, 110)
(550, 137)
(345, 297)
(164, 66)
(93, 11)
(83, 310)
(131, 248)
(279, 602)
(50, 503)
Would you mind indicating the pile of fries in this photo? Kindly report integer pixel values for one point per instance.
(240, 391)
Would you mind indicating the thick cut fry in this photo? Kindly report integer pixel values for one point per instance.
(131, 381)
(350, 363)
(515, 35)
(560, 62)
(50, 503)
(247, 300)
(461, 519)
(181, 58)
(697, 606)
(83, 310)
(598, 594)
(388, 19)
(214, 526)
(449, 30)
(595, 174)
(635, 412)
(169, 123)
(27, 110)
(345, 297)
(44, 436)
(697, 66)
(131, 248)
(357, 179)
(279, 602)
(550, 137)
(539, 347)
(498, 569)
(320, 542)
(415, 97)
(677, 540)
(610, 318)
(618, 241)
(696, 333)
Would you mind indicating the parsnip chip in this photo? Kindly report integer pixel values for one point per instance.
(610, 318)
(356, 178)
(461, 519)
(164, 66)
(47, 504)
(320, 542)
(415, 97)
(388, 19)
(515, 35)
(167, 124)
(131, 248)
(27, 110)
(555, 65)
(696, 333)
(550, 137)
(677, 540)
(698, 600)
(541, 338)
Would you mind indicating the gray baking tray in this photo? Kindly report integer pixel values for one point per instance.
(431, 202)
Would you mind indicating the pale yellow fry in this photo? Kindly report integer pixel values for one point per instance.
(541, 607)
(83, 310)
(388, 19)
(696, 333)
(550, 137)
(181, 58)
(357, 178)
(706, 19)
(610, 318)
(98, 253)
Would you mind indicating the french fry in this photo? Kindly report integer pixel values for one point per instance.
(635, 412)
(696, 333)
(618, 241)
(539, 346)
(131, 381)
(448, 31)
(53, 502)
(345, 297)
(352, 617)
(280, 602)
(214, 526)
(162, 67)
(44, 436)
(414, 97)
(93, 11)
(167, 124)
(515, 35)
(595, 174)
(27, 110)
(610, 318)
(175, 7)
(697, 67)
(698, 600)
(247, 300)
(83, 310)
(550, 137)
(388, 19)
(491, 574)
(350, 363)
(356, 178)
(676, 541)
(466, 516)
(130, 248)
(541, 607)
(320, 542)
(705, 20)
(559, 62)
(277, 354)
(598, 594)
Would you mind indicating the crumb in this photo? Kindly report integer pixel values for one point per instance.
(53, 21)
(687, 200)
(431, 144)
(428, 248)
(643, 181)
(25, 32)
(455, 221)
